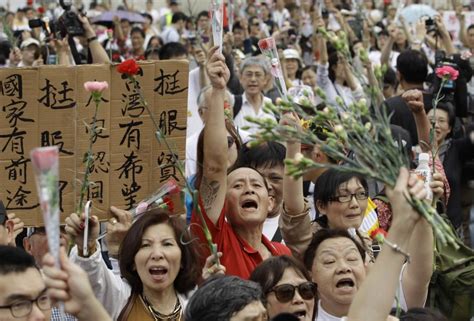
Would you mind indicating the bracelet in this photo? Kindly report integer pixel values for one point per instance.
(89, 40)
(397, 249)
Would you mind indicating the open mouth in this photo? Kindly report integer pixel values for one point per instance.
(300, 314)
(249, 204)
(158, 271)
(345, 283)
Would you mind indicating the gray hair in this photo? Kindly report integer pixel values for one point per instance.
(220, 297)
(256, 61)
(201, 99)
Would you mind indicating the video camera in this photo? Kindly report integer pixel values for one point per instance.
(68, 24)
(430, 25)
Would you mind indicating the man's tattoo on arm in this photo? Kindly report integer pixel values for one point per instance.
(209, 191)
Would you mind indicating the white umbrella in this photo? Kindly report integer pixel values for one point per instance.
(415, 12)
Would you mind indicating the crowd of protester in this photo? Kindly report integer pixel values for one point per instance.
(288, 249)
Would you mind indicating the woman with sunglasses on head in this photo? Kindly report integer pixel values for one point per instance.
(287, 287)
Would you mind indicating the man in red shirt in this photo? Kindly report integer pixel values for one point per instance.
(234, 205)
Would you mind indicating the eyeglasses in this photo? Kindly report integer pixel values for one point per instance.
(23, 308)
(286, 292)
(230, 141)
(257, 75)
(360, 196)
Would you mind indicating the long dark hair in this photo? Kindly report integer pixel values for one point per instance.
(188, 274)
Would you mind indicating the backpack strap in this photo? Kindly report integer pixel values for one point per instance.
(237, 104)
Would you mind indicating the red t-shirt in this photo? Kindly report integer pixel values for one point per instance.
(238, 257)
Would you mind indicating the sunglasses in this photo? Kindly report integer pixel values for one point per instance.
(286, 292)
(230, 141)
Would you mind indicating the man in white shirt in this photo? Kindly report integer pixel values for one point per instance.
(254, 78)
(172, 33)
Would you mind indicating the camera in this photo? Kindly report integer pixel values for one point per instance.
(68, 23)
(430, 25)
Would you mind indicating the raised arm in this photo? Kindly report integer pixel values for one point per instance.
(414, 100)
(445, 37)
(71, 286)
(375, 305)
(293, 198)
(214, 181)
(99, 55)
(387, 49)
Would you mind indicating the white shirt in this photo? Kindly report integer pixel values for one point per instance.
(333, 90)
(191, 151)
(248, 110)
(170, 34)
(280, 16)
(194, 122)
(270, 227)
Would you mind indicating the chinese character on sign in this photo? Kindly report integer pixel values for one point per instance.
(19, 200)
(12, 86)
(17, 170)
(15, 111)
(133, 107)
(168, 84)
(168, 122)
(57, 99)
(16, 140)
(95, 191)
(99, 130)
(131, 135)
(54, 138)
(167, 166)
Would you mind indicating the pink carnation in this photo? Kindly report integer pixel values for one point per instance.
(447, 72)
(45, 158)
(96, 86)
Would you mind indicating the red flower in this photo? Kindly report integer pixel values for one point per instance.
(378, 234)
(128, 67)
(168, 202)
(41, 10)
(266, 44)
(447, 73)
(171, 187)
(45, 158)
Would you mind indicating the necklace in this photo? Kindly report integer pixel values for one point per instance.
(173, 316)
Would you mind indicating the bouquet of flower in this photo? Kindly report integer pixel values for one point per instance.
(376, 154)
(160, 196)
(217, 22)
(269, 50)
(45, 161)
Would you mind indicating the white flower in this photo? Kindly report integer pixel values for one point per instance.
(338, 129)
(298, 157)
(368, 126)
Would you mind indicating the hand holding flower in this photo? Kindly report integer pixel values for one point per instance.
(217, 69)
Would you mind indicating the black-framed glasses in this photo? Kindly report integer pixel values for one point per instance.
(230, 141)
(360, 196)
(286, 292)
(24, 307)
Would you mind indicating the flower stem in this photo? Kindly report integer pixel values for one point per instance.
(161, 138)
(89, 157)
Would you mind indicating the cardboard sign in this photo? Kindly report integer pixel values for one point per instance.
(48, 106)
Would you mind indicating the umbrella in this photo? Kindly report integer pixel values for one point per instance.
(107, 18)
(415, 12)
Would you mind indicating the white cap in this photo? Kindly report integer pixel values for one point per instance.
(423, 157)
(292, 54)
(29, 41)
